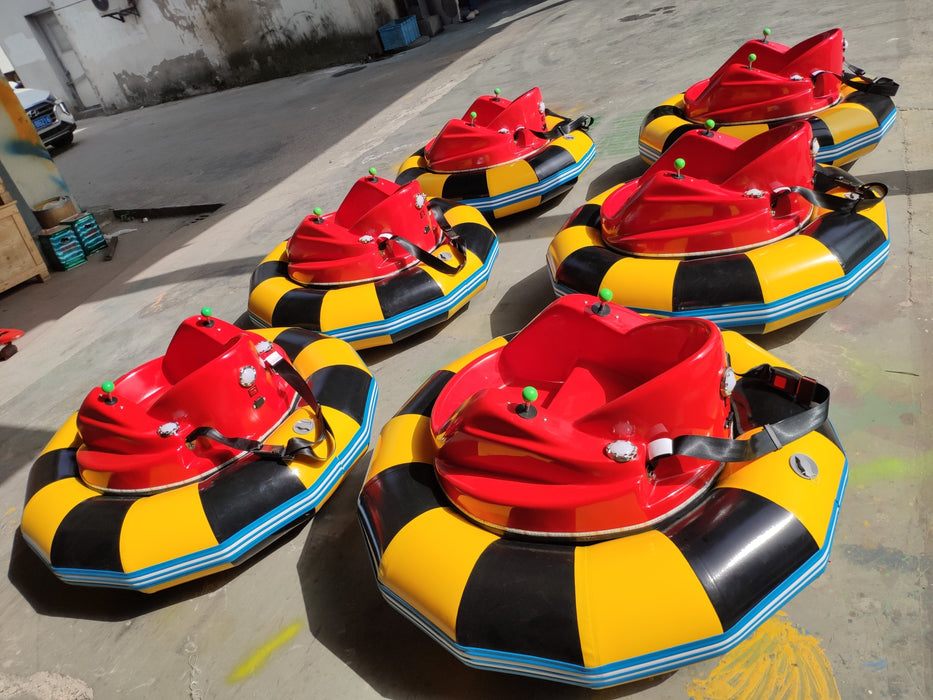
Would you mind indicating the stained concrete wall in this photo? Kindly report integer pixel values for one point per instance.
(177, 48)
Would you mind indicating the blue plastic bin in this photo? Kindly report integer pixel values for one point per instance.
(88, 232)
(399, 33)
(62, 248)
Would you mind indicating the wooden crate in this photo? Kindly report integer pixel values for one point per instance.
(20, 259)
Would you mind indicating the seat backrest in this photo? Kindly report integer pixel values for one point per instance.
(525, 111)
(822, 52)
(779, 157)
(194, 345)
(366, 193)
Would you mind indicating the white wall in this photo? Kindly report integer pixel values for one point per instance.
(177, 48)
(26, 51)
(5, 65)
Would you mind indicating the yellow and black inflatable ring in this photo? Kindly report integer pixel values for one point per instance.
(384, 311)
(755, 291)
(597, 614)
(151, 542)
(845, 132)
(511, 187)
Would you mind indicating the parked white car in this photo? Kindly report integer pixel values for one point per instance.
(55, 124)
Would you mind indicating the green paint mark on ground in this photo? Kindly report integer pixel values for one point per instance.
(888, 468)
(874, 411)
(622, 137)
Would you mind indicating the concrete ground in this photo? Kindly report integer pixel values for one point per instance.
(305, 618)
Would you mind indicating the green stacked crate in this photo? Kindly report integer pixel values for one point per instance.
(89, 233)
(62, 247)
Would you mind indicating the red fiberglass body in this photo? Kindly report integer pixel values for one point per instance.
(779, 83)
(212, 374)
(574, 463)
(728, 195)
(494, 131)
(353, 244)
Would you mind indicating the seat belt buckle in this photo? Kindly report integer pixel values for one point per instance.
(806, 388)
(800, 388)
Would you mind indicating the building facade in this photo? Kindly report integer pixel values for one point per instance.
(121, 54)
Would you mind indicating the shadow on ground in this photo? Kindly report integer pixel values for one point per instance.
(16, 442)
(522, 302)
(50, 596)
(32, 303)
(616, 175)
(521, 220)
(911, 182)
(784, 336)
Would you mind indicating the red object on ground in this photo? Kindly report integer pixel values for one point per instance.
(7, 336)
(213, 374)
(605, 383)
(500, 132)
(729, 195)
(344, 247)
(780, 83)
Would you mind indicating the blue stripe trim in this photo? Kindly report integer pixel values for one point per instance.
(419, 314)
(827, 154)
(535, 190)
(759, 314)
(643, 666)
(244, 540)
(648, 152)
(856, 143)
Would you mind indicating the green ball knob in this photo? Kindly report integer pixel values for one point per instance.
(529, 394)
(472, 115)
(107, 387)
(710, 124)
(767, 32)
(679, 164)
(372, 171)
(318, 211)
(605, 294)
(497, 91)
(207, 312)
(752, 58)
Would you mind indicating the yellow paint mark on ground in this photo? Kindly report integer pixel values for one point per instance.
(259, 658)
(157, 303)
(778, 660)
(9, 521)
